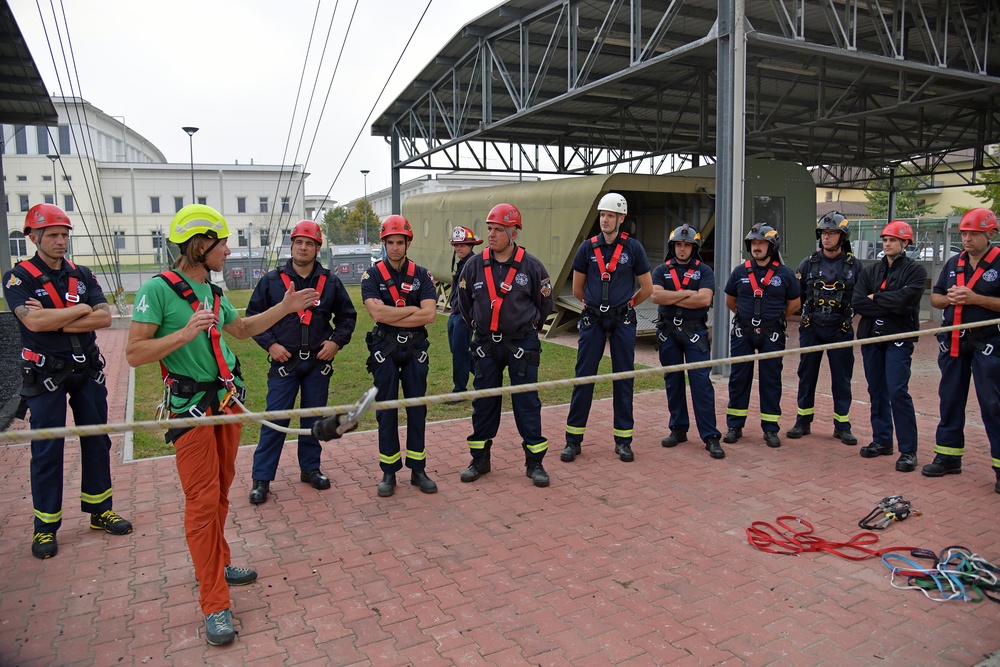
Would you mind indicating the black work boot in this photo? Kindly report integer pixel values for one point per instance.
(676, 435)
(874, 449)
(387, 486)
(714, 448)
(800, 429)
(624, 452)
(771, 439)
(943, 465)
(570, 452)
(480, 464)
(732, 435)
(258, 493)
(846, 437)
(907, 462)
(420, 479)
(536, 473)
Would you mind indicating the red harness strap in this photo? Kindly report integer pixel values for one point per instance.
(72, 294)
(214, 335)
(305, 316)
(609, 268)
(758, 288)
(984, 264)
(678, 284)
(390, 284)
(496, 298)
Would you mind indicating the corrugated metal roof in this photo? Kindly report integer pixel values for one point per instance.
(23, 98)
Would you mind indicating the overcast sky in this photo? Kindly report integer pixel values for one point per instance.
(232, 69)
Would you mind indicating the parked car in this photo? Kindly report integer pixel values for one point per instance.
(909, 251)
(927, 254)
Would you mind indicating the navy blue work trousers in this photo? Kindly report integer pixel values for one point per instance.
(593, 339)
(972, 363)
(841, 373)
(527, 406)
(281, 392)
(460, 342)
(887, 369)
(401, 368)
(678, 347)
(769, 379)
(89, 401)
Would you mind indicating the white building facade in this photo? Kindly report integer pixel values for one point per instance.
(121, 193)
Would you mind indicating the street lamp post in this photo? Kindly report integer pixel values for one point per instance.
(190, 132)
(368, 242)
(55, 187)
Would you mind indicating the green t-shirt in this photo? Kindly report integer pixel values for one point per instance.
(157, 303)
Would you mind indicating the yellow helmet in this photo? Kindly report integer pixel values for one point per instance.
(197, 219)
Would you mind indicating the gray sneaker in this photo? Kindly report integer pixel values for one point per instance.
(219, 628)
(240, 576)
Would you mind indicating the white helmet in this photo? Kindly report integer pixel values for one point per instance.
(613, 202)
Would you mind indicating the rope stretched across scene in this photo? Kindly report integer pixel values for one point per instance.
(12, 437)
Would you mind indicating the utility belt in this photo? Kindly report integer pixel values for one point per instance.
(624, 313)
(846, 317)
(980, 338)
(183, 387)
(772, 329)
(41, 373)
(492, 343)
(300, 361)
(389, 338)
(690, 329)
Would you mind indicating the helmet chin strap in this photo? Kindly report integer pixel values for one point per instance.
(201, 258)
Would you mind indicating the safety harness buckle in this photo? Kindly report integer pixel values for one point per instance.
(402, 339)
(506, 287)
(758, 294)
(422, 357)
(100, 378)
(195, 412)
(282, 371)
(326, 370)
(695, 338)
(775, 336)
(80, 358)
(400, 302)
(605, 276)
(678, 322)
(988, 350)
(756, 322)
(34, 357)
(304, 355)
(519, 353)
(72, 298)
(379, 357)
(497, 337)
(49, 384)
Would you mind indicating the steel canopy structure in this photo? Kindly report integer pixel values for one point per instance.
(855, 88)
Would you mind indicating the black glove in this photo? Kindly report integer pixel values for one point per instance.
(327, 428)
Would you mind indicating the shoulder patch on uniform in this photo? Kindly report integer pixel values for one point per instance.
(798, 274)
(461, 284)
(546, 287)
(364, 276)
(431, 276)
(13, 280)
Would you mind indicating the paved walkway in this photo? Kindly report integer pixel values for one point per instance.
(626, 564)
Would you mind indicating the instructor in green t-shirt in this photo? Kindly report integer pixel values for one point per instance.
(176, 321)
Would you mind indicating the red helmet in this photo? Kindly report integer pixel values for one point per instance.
(976, 220)
(898, 229)
(464, 236)
(396, 224)
(308, 229)
(506, 215)
(48, 215)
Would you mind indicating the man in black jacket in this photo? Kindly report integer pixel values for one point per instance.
(887, 296)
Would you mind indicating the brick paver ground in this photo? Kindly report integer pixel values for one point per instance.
(644, 563)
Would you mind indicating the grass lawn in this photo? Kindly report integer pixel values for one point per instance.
(351, 378)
